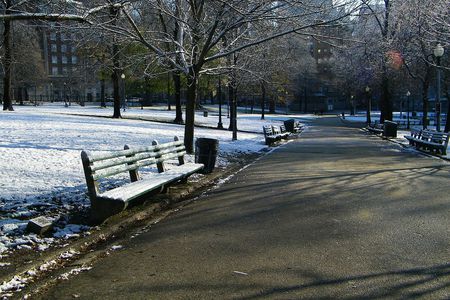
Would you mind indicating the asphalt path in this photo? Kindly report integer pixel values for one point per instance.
(335, 214)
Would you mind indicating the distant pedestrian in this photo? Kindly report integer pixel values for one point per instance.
(125, 105)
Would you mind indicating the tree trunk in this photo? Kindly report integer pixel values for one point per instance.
(7, 61)
(272, 105)
(263, 100)
(425, 87)
(190, 110)
(306, 101)
(115, 81)
(231, 101)
(102, 93)
(385, 101)
(169, 108)
(447, 122)
(177, 89)
(233, 120)
(114, 13)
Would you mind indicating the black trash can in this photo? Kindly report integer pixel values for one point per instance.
(205, 113)
(390, 129)
(289, 124)
(206, 153)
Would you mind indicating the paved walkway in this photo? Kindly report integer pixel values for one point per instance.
(335, 214)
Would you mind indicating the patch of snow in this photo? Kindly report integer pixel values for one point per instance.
(15, 284)
(72, 272)
(70, 231)
(48, 265)
(116, 247)
(69, 254)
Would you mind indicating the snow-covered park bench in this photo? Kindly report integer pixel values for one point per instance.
(376, 127)
(414, 136)
(98, 166)
(430, 140)
(293, 126)
(273, 133)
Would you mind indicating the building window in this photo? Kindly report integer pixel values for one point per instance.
(63, 36)
(64, 59)
(54, 49)
(54, 70)
(54, 59)
(53, 36)
(65, 71)
(74, 60)
(63, 48)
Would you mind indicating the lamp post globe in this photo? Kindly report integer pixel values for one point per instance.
(438, 50)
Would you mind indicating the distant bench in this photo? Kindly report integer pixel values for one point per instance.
(98, 166)
(274, 133)
(293, 126)
(376, 127)
(433, 141)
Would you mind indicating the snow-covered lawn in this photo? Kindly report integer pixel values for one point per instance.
(40, 165)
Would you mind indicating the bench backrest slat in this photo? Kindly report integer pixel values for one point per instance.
(109, 155)
(128, 159)
(268, 129)
(440, 138)
(104, 173)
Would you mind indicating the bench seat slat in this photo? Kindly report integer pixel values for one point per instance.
(135, 189)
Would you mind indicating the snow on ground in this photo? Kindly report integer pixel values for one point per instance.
(41, 171)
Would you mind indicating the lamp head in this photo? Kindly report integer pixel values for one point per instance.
(438, 51)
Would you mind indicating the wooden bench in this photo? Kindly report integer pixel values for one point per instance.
(377, 128)
(293, 126)
(429, 140)
(281, 131)
(433, 141)
(104, 165)
(414, 136)
(273, 134)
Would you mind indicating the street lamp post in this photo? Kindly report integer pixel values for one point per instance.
(408, 94)
(65, 94)
(438, 53)
(352, 104)
(219, 95)
(51, 92)
(124, 103)
(369, 106)
(142, 98)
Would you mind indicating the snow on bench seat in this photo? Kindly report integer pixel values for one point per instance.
(159, 180)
